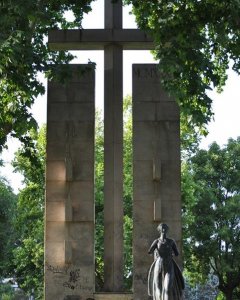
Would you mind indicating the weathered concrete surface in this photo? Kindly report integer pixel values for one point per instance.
(112, 39)
(113, 296)
(69, 230)
(113, 171)
(97, 39)
(113, 154)
(156, 169)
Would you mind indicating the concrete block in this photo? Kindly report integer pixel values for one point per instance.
(69, 270)
(76, 150)
(70, 111)
(56, 132)
(80, 231)
(171, 172)
(172, 209)
(56, 92)
(143, 211)
(56, 151)
(153, 111)
(154, 93)
(83, 254)
(56, 170)
(145, 111)
(143, 170)
(83, 211)
(68, 282)
(82, 111)
(81, 131)
(81, 194)
(143, 190)
(55, 211)
(82, 150)
(144, 131)
(147, 74)
(144, 233)
(151, 138)
(168, 111)
(56, 191)
(63, 131)
(83, 170)
(54, 253)
(55, 232)
(84, 73)
(82, 191)
(78, 92)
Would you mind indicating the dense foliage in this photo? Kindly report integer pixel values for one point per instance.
(8, 202)
(195, 40)
(27, 263)
(211, 212)
(24, 53)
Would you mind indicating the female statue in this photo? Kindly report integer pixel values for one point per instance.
(165, 280)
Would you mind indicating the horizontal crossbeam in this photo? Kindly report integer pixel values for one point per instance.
(97, 39)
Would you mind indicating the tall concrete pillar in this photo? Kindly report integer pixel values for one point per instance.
(69, 232)
(113, 171)
(113, 154)
(156, 169)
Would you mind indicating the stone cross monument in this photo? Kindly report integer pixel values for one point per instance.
(69, 233)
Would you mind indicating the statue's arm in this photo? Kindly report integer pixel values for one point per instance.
(175, 249)
(153, 247)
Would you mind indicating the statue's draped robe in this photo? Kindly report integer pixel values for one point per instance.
(165, 276)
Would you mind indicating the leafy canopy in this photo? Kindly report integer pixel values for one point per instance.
(195, 40)
(8, 202)
(211, 214)
(27, 262)
(24, 52)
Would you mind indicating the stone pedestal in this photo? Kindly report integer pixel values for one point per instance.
(156, 169)
(69, 232)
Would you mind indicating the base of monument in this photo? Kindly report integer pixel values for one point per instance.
(113, 296)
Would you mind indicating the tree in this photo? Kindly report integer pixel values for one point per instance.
(24, 52)
(8, 202)
(27, 260)
(194, 41)
(211, 212)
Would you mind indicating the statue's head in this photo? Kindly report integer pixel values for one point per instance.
(162, 228)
